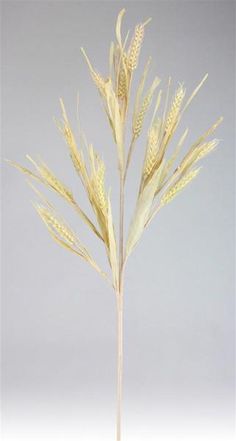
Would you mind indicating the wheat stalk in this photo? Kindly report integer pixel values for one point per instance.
(160, 181)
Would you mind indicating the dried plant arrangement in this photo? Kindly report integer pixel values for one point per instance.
(165, 171)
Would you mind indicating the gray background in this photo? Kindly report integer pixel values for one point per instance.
(59, 321)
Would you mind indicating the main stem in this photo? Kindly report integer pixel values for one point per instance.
(119, 299)
(119, 363)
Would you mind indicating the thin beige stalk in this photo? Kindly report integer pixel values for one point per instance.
(120, 312)
(119, 299)
(131, 148)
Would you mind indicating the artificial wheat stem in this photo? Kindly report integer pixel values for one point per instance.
(121, 232)
(119, 298)
(131, 149)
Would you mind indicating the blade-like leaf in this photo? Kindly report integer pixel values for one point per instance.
(118, 27)
(142, 211)
(112, 247)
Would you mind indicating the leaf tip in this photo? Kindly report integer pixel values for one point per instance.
(147, 21)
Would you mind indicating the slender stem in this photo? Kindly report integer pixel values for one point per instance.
(121, 235)
(119, 293)
(119, 297)
(131, 148)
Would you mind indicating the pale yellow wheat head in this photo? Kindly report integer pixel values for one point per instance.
(152, 149)
(180, 185)
(174, 111)
(135, 46)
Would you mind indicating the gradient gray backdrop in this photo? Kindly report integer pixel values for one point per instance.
(59, 322)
